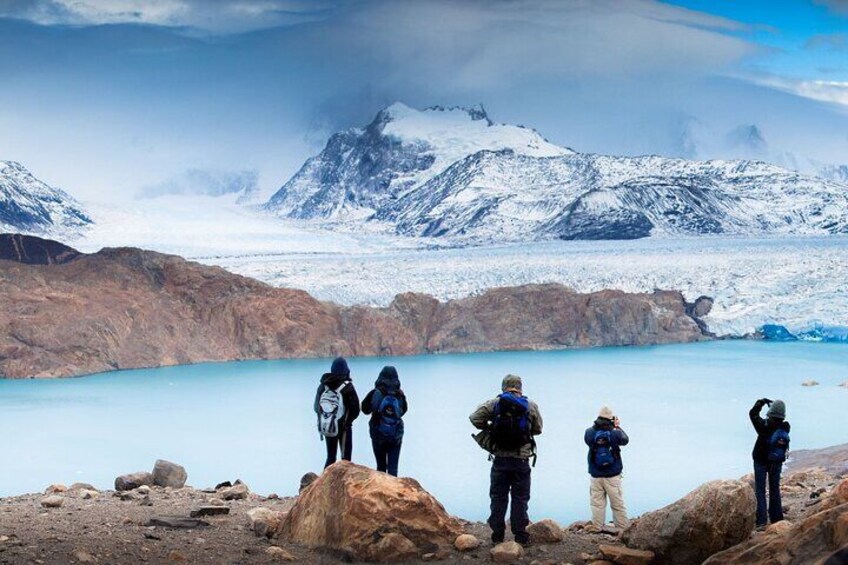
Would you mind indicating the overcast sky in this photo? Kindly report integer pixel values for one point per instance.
(107, 97)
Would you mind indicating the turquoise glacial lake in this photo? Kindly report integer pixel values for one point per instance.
(685, 408)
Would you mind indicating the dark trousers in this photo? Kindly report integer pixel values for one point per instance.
(333, 446)
(774, 510)
(510, 476)
(387, 453)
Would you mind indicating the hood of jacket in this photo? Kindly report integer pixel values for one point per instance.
(603, 424)
(388, 379)
(333, 380)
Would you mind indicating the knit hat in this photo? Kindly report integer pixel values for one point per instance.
(511, 382)
(606, 412)
(777, 410)
(339, 367)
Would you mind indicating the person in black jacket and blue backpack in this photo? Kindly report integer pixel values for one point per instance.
(387, 405)
(770, 451)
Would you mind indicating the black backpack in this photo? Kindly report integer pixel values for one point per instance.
(511, 422)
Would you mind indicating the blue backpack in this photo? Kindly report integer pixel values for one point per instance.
(390, 426)
(778, 446)
(511, 422)
(602, 454)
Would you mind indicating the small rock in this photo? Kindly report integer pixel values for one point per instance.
(466, 542)
(279, 554)
(545, 531)
(55, 489)
(86, 494)
(217, 502)
(127, 521)
(177, 557)
(263, 521)
(125, 496)
(210, 511)
(601, 562)
(167, 474)
(394, 548)
(176, 522)
(626, 556)
(273, 496)
(307, 480)
(235, 492)
(143, 489)
(53, 501)
(507, 552)
(779, 528)
(83, 486)
(811, 382)
(133, 481)
(145, 501)
(225, 484)
(82, 556)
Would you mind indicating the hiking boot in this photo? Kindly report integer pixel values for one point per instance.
(497, 538)
(523, 541)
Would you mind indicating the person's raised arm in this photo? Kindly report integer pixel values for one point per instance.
(758, 423)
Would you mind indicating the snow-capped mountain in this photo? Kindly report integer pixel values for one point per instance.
(454, 173)
(28, 205)
(360, 171)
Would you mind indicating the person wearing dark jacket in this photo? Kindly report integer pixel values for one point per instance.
(510, 475)
(338, 379)
(605, 439)
(764, 469)
(387, 404)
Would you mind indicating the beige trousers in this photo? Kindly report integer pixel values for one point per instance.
(599, 490)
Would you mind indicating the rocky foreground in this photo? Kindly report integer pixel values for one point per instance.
(352, 514)
(66, 313)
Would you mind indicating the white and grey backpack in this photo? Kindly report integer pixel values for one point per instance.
(331, 411)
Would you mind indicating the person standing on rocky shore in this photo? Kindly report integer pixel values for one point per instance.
(769, 453)
(509, 424)
(387, 404)
(337, 406)
(605, 438)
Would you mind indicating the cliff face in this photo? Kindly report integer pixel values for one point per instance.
(128, 308)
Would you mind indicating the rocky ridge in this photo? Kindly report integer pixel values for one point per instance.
(387, 519)
(128, 308)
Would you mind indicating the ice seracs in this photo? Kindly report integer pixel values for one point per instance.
(454, 173)
(28, 205)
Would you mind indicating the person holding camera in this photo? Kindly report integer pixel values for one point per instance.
(605, 439)
(770, 451)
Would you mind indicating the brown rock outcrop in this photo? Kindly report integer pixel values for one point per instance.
(713, 517)
(127, 308)
(812, 540)
(370, 515)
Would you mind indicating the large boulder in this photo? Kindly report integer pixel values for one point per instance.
(167, 474)
(133, 481)
(545, 531)
(812, 540)
(364, 513)
(713, 517)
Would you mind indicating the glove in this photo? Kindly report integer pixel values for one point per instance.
(763, 401)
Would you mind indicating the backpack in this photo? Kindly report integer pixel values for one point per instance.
(602, 454)
(331, 411)
(511, 425)
(390, 425)
(778, 446)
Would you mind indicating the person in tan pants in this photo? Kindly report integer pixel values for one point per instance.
(604, 439)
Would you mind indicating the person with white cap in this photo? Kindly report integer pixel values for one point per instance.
(605, 438)
(770, 451)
